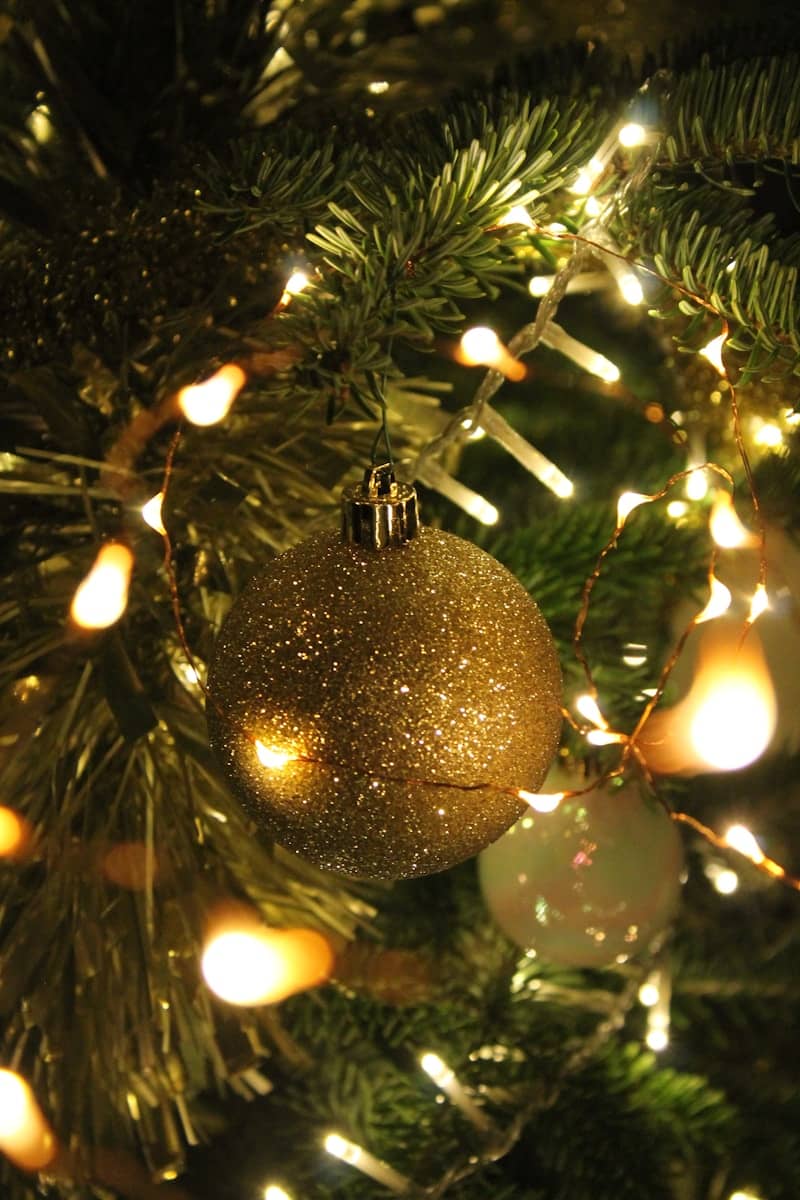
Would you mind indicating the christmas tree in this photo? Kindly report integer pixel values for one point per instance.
(263, 932)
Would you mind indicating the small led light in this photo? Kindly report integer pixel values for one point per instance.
(696, 485)
(273, 1192)
(632, 134)
(719, 601)
(151, 512)
(713, 352)
(480, 346)
(588, 707)
(726, 881)
(15, 833)
(630, 288)
(102, 597)
(726, 528)
(378, 87)
(743, 1196)
(482, 510)
(189, 675)
(268, 756)
(208, 402)
(758, 604)
(25, 1136)
(603, 737)
(297, 282)
(739, 837)
(769, 435)
(657, 1039)
(246, 963)
(648, 994)
(359, 1158)
(592, 207)
(604, 368)
(541, 802)
(540, 285)
(587, 177)
(339, 1147)
(677, 509)
(627, 502)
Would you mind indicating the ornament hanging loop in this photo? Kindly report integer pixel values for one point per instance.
(379, 513)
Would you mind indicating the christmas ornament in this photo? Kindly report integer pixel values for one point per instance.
(589, 884)
(366, 686)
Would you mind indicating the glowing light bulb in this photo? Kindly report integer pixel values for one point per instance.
(542, 802)
(648, 994)
(208, 402)
(677, 509)
(359, 1158)
(151, 512)
(719, 601)
(378, 87)
(246, 963)
(587, 177)
(604, 368)
(482, 510)
(25, 1136)
(480, 346)
(604, 737)
(726, 528)
(657, 1039)
(712, 352)
(297, 282)
(632, 134)
(592, 207)
(587, 706)
(769, 435)
(272, 758)
(540, 285)
(696, 485)
(518, 215)
(733, 725)
(102, 598)
(739, 838)
(630, 288)
(743, 1196)
(273, 1192)
(758, 604)
(188, 674)
(15, 833)
(725, 881)
(627, 502)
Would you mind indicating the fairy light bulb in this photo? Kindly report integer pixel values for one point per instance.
(604, 737)
(734, 723)
(769, 435)
(518, 215)
(758, 604)
(630, 288)
(739, 838)
(15, 833)
(102, 597)
(151, 512)
(274, 1192)
(445, 1078)
(297, 282)
(724, 524)
(723, 879)
(712, 352)
(648, 994)
(541, 802)
(208, 402)
(540, 285)
(480, 346)
(677, 509)
(246, 963)
(657, 1039)
(632, 134)
(359, 1158)
(588, 707)
(719, 601)
(25, 1136)
(627, 502)
(697, 485)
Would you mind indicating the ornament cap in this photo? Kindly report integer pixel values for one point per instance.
(379, 513)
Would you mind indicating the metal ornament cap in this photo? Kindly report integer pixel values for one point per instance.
(379, 512)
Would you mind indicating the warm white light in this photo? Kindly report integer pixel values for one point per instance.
(589, 360)
(208, 402)
(246, 963)
(604, 368)
(632, 134)
(696, 485)
(542, 802)
(657, 1039)
(726, 528)
(480, 346)
(482, 510)
(40, 124)
(586, 177)
(151, 512)
(603, 737)
(587, 706)
(592, 207)
(627, 502)
(719, 601)
(648, 994)
(713, 353)
(25, 1136)
(437, 1069)
(769, 435)
(739, 837)
(725, 881)
(189, 674)
(273, 1192)
(540, 285)
(339, 1147)
(677, 509)
(518, 215)
(743, 1196)
(630, 288)
(733, 725)
(103, 596)
(268, 756)
(297, 282)
(15, 833)
(759, 603)
(378, 87)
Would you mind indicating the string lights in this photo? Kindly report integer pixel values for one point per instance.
(480, 346)
(297, 282)
(151, 513)
(359, 1158)
(209, 402)
(25, 1136)
(583, 356)
(102, 597)
(15, 833)
(246, 963)
(445, 1078)
(435, 476)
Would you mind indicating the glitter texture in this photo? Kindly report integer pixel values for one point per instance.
(423, 663)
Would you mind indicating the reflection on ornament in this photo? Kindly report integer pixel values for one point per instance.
(246, 963)
(589, 884)
(727, 719)
(102, 598)
(384, 687)
(25, 1136)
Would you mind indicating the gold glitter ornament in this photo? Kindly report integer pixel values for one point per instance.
(365, 687)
